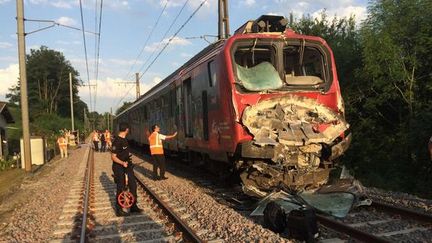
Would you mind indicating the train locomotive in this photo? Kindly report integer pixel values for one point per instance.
(266, 101)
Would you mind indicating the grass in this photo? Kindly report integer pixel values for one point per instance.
(9, 179)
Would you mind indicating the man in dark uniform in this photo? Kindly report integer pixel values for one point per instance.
(122, 164)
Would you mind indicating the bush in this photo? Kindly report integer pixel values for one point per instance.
(6, 164)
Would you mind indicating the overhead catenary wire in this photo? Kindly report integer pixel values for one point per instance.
(175, 34)
(142, 50)
(54, 23)
(163, 37)
(95, 45)
(98, 50)
(146, 41)
(169, 41)
(85, 51)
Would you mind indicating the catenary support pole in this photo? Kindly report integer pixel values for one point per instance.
(71, 101)
(23, 84)
(137, 85)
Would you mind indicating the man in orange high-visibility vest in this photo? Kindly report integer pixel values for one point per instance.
(157, 153)
(108, 138)
(62, 143)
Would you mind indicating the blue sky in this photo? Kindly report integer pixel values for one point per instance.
(126, 25)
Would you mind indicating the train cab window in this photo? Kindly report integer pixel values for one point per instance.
(256, 67)
(212, 73)
(303, 65)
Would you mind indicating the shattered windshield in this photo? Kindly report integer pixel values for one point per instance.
(262, 65)
(260, 77)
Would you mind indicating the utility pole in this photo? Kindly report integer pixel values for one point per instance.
(137, 85)
(224, 30)
(85, 120)
(71, 101)
(111, 119)
(23, 84)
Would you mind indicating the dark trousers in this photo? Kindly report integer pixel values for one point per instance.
(96, 146)
(119, 177)
(103, 146)
(158, 162)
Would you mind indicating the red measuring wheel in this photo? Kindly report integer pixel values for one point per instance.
(125, 199)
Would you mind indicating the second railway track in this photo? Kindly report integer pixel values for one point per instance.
(93, 217)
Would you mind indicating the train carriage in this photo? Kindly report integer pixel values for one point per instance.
(266, 101)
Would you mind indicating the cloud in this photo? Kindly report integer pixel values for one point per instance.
(340, 8)
(4, 1)
(111, 93)
(176, 41)
(248, 3)
(4, 45)
(62, 4)
(66, 21)
(8, 78)
(187, 55)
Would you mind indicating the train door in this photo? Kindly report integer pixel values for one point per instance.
(187, 102)
(205, 115)
(179, 109)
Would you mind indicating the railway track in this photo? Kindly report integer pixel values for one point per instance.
(381, 222)
(89, 215)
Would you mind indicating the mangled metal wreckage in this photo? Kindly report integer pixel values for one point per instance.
(296, 140)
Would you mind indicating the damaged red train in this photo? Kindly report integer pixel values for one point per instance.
(266, 101)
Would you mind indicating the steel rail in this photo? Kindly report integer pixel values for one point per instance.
(188, 234)
(404, 212)
(89, 171)
(345, 229)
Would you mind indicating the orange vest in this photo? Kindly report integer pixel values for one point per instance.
(108, 136)
(62, 142)
(155, 144)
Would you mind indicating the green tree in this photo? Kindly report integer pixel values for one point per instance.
(393, 112)
(123, 107)
(48, 84)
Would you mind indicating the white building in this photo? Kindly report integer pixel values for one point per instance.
(5, 118)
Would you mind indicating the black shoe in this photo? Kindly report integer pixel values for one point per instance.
(120, 213)
(163, 178)
(155, 178)
(136, 209)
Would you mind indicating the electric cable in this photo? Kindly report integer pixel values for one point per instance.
(85, 51)
(98, 49)
(146, 41)
(175, 34)
(163, 37)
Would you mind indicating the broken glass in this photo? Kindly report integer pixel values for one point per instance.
(260, 77)
(337, 204)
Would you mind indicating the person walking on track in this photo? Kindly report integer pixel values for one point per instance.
(108, 138)
(103, 142)
(157, 153)
(122, 165)
(95, 140)
(62, 143)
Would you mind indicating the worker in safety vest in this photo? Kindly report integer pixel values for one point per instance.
(95, 139)
(157, 153)
(62, 143)
(108, 138)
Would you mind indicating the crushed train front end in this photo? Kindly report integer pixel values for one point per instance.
(290, 125)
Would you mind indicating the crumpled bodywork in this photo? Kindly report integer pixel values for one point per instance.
(298, 135)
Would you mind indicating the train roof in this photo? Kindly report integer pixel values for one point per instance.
(195, 58)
